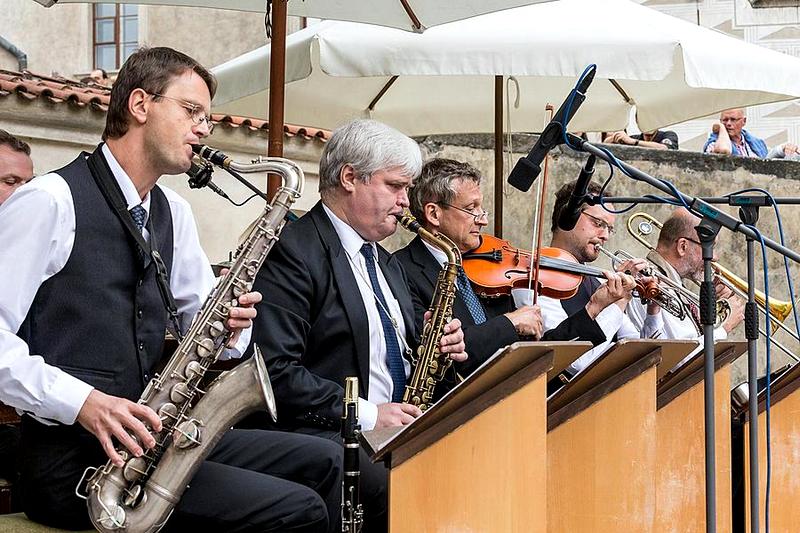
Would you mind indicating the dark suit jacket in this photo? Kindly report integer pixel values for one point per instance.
(497, 332)
(312, 325)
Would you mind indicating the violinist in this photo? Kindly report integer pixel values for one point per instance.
(605, 302)
(447, 198)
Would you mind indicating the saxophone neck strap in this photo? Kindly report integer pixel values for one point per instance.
(104, 178)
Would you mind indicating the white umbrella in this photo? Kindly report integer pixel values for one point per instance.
(669, 69)
(414, 15)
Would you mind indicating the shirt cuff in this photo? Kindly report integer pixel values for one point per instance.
(653, 324)
(367, 414)
(239, 348)
(65, 399)
(609, 320)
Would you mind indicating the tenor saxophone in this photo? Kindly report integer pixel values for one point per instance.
(431, 365)
(141, 495)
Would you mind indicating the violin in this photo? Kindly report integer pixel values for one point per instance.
(495, 267)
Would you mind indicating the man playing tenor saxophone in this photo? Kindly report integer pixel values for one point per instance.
(82, 319)
(338, 302)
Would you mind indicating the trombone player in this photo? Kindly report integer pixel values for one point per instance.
(679, 256)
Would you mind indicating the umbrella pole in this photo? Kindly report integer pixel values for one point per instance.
(277, 75)
(498, 156)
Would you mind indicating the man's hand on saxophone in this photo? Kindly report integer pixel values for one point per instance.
(107, 416)
(241, 317)
(452, 342)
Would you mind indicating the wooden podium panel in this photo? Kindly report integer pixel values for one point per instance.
(601, 447)
(474, 461)
(680, 445)
(785, 443)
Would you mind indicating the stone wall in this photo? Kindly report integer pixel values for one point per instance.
(693, 173)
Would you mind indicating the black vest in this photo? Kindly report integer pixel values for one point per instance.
(101, 318)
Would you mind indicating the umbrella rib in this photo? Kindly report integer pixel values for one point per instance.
(415, 23)
(380, 94)
(621, 91)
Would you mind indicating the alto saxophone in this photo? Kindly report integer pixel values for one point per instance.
(140, 496)
(431, 364)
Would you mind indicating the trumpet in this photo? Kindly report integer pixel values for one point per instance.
(664, 297)
(778, 309)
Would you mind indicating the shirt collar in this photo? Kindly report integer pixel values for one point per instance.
(129, 191)
(437, 254)
(350, 239)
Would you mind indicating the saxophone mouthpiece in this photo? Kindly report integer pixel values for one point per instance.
(408, 221)
(212, 155)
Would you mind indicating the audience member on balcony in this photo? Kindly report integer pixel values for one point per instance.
(728, 136)
(656, 139)
(785, 151)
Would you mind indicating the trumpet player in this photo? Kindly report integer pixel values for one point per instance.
(679, 256)
(605, 302)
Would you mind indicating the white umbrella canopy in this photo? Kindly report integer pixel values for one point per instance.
(412, 15)
(669, 69)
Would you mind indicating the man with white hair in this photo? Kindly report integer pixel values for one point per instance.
(339, 304)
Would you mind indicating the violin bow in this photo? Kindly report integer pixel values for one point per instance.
(538, 216)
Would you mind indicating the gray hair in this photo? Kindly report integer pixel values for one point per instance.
(436, 184)
(368, 146)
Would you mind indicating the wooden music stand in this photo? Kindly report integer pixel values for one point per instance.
(680, 448)
(601, 444)
(474, 461)
(784, 436)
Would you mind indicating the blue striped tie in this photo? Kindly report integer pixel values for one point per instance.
(470, 298)
(394, 359)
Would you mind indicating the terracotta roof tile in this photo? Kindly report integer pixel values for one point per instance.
(29, 86)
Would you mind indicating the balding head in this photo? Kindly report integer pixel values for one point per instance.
(678, 243)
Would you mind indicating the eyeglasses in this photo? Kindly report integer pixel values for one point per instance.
(692, 240)
(600, 224)
(196, 112)
(477, 216)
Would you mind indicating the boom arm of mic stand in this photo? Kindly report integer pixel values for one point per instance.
(698, 206)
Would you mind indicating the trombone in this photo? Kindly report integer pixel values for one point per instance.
(778, 309)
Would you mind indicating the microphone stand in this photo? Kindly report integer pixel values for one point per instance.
(712, 219)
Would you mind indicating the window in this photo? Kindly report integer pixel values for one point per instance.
(116, 34)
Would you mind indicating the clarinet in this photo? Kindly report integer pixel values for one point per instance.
(352, 512)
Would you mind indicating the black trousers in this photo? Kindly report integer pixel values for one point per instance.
(253, 481)
(374, 481)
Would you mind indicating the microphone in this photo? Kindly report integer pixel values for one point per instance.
(200, 176)
(210, 154)
(527, 168)
(572, 211)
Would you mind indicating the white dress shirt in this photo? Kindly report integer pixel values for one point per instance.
(381, 386)
(672, 326)
(37, 233)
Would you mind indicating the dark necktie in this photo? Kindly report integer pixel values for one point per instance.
(394, 359)
(470, 298)
(139, 214)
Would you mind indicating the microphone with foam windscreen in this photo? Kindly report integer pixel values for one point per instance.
(572, 211)
(200, 176)
(527, 168)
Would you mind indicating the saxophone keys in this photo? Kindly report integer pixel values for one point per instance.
(134, 469)
(168, 411)
(205, 347)
(179, 393)
(193, 370)
(187, 434)
(133, 496)
(216, 328)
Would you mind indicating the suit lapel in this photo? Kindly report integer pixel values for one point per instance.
(430, 269)
(348, 291)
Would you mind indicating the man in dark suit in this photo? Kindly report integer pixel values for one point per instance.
(447, 199)
(339, 304)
